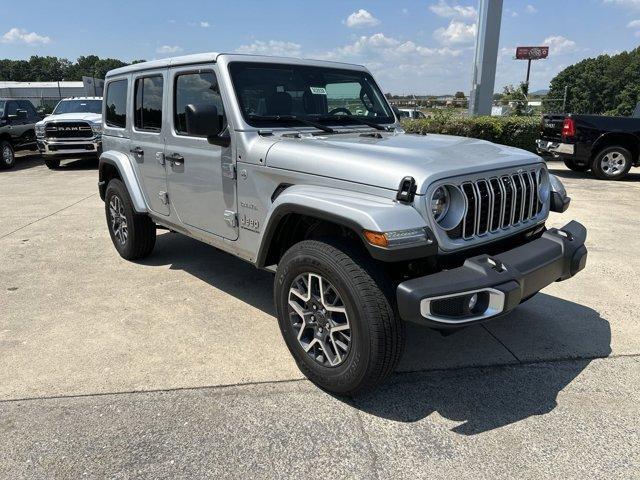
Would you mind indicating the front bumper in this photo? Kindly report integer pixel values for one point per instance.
(555, 148)
(499, 282)
(81, 146)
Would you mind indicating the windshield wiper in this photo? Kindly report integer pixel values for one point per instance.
(295, 118)
(359, 120)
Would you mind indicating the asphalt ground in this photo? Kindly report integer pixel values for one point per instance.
(174, 367)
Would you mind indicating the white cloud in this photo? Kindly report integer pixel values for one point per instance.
(276, 48)
(19, 35)
(530, 9)
(168, 49)
(457, 33)
(205, 24)
(444, 9)
(361, 18)
(559, 45)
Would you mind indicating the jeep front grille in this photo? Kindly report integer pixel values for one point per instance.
(498, 203)
(68, 130)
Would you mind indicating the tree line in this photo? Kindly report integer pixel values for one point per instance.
(607, 84)
(53, 69)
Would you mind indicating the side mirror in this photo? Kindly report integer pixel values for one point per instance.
(396, 110)
(204, 121)
(22, 114)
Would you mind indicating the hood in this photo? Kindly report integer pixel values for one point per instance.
(384, 162)
(73, 117)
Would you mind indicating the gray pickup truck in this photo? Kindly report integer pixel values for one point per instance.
(301, 168)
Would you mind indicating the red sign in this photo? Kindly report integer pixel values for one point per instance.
(532, 53)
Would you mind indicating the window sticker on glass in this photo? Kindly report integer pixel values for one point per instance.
(318, 90)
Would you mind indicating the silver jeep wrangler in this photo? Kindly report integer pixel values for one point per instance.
(301, 167)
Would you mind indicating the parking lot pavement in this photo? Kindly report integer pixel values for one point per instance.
(174, 366)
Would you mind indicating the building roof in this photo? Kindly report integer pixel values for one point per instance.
(63, 84)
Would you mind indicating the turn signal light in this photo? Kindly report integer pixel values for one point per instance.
(376, 238)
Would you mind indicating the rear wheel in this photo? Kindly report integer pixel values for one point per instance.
(572, 165)
(612, 163)
(336, 318)
(7, 155)
(133, 234)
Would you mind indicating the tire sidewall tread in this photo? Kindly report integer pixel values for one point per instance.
(377, 333)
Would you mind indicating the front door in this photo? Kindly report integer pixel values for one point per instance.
(202, 186)
(148, 137)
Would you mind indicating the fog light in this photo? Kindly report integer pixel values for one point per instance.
(472, 301)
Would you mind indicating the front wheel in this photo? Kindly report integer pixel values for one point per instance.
(133, 234)
(7, 155)
(336, 318)
(612, 163)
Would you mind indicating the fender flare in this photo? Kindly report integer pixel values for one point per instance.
(122, 164)
(356, 211)
(605, 137)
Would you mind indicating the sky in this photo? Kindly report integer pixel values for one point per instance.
(411, 46)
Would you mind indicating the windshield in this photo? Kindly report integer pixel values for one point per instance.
(268, 92)
(78, 106)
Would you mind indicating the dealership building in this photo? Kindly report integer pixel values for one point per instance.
(48, 94)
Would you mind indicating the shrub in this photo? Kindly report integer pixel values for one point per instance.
(520, 132)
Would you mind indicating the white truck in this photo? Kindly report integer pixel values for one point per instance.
(73, 129)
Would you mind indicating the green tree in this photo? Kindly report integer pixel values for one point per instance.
(606, 84)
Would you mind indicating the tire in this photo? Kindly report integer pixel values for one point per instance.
(376, 334)
(7, 155)
(572, 165)
(52, 163)
(140, 236)
(612, 163)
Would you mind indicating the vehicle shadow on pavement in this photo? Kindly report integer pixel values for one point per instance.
(484, 376)
(552, 341)
(215, 267)
(28, 160)
(630, 177)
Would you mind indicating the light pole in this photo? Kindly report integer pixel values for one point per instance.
(486, 57)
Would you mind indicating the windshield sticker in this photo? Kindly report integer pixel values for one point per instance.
(318, 90)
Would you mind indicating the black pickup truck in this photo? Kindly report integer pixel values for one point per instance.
(17, 129)
(608, 146)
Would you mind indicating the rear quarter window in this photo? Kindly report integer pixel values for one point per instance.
(116, 104)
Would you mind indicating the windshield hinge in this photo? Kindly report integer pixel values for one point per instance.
(231, 218)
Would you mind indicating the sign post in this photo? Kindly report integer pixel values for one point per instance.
(530, 54)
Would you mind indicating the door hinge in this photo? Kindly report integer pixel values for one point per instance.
(231, 218)
(229, 170)
(164, 197)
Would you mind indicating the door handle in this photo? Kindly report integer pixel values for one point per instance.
(137, 151)
(175, 159)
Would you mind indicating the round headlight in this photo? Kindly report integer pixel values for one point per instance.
(543, 185)
(440, 203)
(447, 206)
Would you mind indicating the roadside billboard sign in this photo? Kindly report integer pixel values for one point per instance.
(532, 53)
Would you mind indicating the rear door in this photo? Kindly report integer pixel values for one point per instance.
(202, 186)
(148, 137)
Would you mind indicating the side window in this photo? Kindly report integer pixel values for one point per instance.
(198, 89)
(28, 106)
(116, 104)
(148, 103)
(12, 108)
